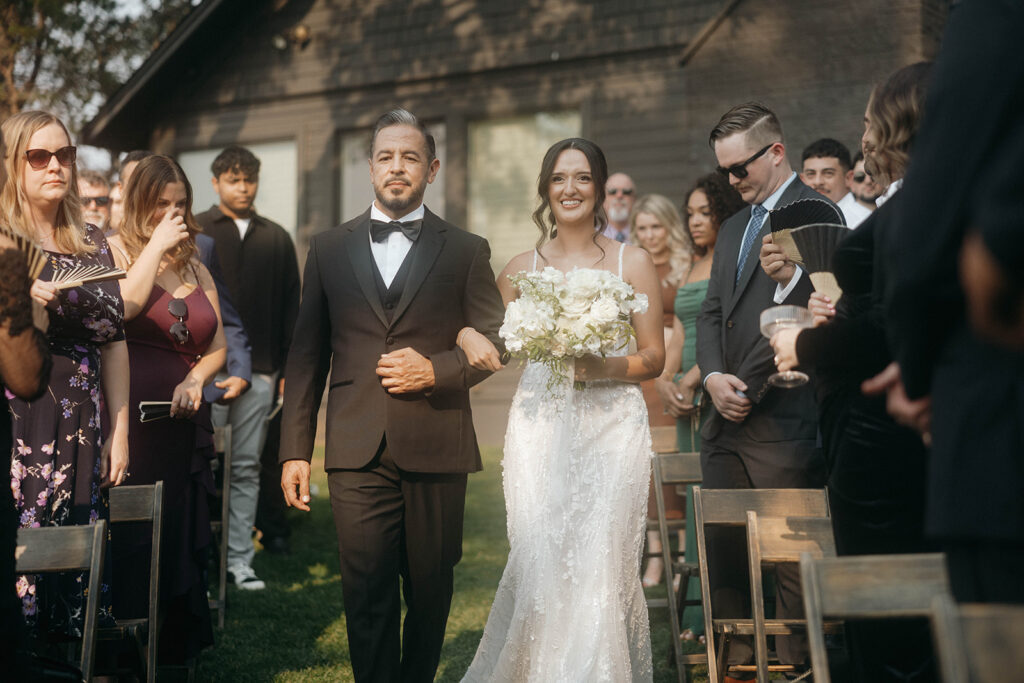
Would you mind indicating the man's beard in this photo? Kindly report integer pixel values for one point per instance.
(398, 205)
(618, 214)
(97, 219)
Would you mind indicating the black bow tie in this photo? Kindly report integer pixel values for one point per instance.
(379, 230)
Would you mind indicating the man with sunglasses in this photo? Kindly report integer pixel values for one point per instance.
(862, 186)
(755, 436)
(94, 191)
(619, 195)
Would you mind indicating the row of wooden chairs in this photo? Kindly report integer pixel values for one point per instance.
(974, 643)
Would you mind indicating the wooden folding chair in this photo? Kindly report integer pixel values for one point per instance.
(219, 527)
(141, 504)
(663, 439)
(728, 507)
(867, 587)
(57, 549)
(680, 469)
(977, 643)
(775, 540)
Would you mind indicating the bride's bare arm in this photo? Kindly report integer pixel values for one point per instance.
(649, 359)
(479, 350)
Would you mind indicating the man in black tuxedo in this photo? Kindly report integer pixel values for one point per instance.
(384, 299)
(755, 436)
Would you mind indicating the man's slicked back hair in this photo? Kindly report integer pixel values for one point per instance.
(403, 117)
(826, 148)
(753, 118)
(235, 158)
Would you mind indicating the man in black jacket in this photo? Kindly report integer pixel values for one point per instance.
(755, 436)
(261, 271)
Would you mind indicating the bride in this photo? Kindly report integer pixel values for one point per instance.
(570, 606)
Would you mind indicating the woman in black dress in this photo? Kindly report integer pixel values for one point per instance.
(877, 468)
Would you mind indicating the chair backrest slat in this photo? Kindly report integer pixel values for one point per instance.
(880, 586)
(730, 506)
(679, 468)
(663, 439)
(783, 539)
(131, 503)
(54, 549)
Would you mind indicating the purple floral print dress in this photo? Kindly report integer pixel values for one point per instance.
(55, 458)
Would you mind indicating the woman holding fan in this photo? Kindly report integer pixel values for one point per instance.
(60, 458)
(176, 345)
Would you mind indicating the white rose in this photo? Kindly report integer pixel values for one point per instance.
(604, 310)
(584, 283)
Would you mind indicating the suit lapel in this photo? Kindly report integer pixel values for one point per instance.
(431, 241)
(357, 246)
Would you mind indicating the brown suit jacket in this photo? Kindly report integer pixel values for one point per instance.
(342, 330)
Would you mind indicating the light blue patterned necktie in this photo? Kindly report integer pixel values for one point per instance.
(757, 216)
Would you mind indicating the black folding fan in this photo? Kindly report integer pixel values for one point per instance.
(808, 231)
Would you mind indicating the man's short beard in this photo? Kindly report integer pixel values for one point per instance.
(618, 214)
(399, 205)
(99, 220)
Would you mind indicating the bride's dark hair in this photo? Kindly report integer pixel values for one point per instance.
(543, 216)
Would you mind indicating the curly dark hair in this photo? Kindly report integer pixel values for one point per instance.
(235, 158)
(723, 200)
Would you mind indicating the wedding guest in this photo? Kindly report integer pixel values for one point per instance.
(755, 436)
(708, 204)
(620, 193)
(25, 365)
(176, 344)
(94, 193)
(826, 169)
(655, 226)
(61, 460)
(127, 165)
(863, 187)
(951, 382)
(876, 467)
(262, 274)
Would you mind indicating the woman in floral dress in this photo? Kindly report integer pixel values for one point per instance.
(60, 461)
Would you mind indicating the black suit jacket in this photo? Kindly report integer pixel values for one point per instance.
(342, 329)
(965, 172)
(729, 337)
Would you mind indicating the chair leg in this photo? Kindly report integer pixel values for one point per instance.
(722, 665)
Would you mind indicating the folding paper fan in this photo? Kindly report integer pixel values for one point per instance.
(808, 231)
(35, 259)
(79, 275)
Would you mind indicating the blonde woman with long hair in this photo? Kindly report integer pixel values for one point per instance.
(61, 461)
(176, 345)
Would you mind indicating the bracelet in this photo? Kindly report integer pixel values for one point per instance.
(458, 339)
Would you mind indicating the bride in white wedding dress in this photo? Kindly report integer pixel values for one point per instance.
(570, 606)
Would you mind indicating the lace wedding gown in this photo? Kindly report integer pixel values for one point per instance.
(570, 606)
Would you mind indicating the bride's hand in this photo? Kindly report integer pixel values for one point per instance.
(589, 368)
(479, 350)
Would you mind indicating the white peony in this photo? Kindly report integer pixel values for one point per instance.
(604, 310)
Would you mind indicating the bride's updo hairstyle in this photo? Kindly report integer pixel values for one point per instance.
(894, 109)
(543, 216)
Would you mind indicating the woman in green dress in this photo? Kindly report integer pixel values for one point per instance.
(708, 204)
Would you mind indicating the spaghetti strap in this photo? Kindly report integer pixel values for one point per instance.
(534, 268)
(622, 248)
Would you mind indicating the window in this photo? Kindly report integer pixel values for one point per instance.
(356, 190)
(504, 162)
(277, 197)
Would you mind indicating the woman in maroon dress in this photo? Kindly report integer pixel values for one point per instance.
(176, 345)
(60, 459)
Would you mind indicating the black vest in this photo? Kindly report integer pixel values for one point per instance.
(390, 296)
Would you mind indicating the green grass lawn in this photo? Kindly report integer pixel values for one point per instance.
(295, 629)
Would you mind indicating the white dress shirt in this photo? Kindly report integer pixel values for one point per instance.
(390, 253)
(852, 210)
(893, 188)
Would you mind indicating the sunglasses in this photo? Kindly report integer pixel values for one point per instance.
(625, 192)
(860, 177)
(40, 158)
(740, 170)
(100, 201)
(179, 309)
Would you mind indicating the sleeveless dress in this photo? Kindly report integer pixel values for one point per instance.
(689, 298)
(570, 606)
(177, 452)
(55, 459)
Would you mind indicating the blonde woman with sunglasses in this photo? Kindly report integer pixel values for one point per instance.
(61, 460)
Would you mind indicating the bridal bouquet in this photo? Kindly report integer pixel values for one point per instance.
(561, 316)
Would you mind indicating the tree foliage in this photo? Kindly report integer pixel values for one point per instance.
(68, 56)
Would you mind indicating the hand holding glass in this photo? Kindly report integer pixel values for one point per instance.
(782, 318)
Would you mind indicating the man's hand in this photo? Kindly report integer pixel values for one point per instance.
(774, 262)
(234, 387)
(295, 483)
(913, 413)
(405, 371)
(723, 388)
(995, 304)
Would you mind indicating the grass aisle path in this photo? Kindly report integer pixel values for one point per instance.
(294, 630)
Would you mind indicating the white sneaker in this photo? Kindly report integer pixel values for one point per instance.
(245, 578)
